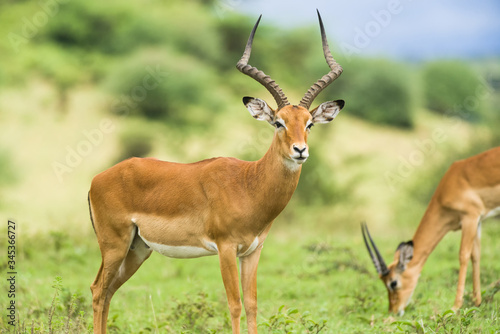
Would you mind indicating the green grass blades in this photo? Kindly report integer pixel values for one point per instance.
(310, 286)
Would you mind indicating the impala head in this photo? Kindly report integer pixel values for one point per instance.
(292, 122)
(398, 280)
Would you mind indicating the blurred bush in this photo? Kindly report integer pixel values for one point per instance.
(285, 54)
(233, 33)
(160, 85)
(134, 141)
(379, 91)
(453, 87)
(117, 27)
(61, 68)
(318, 184)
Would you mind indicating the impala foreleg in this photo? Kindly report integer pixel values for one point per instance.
(469, 232)
(249, 286)
(476, 274)
(229, 271)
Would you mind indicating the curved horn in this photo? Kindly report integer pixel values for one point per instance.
(336, 71)
(260, 76)
(377, 259)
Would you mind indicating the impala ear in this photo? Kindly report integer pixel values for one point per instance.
(327, 111)
(404, 254)
(259, 109)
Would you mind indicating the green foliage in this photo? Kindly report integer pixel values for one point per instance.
(379, 91)
(233, 33)
(447, 322)
(161, 86)
(290, 321)
(284, 54)
(317, 178)
(135, 140)
(60, 67)
(344, 297)
(196, 315)
(87, 25)
(115, 27)
(452, 87)
(65, 314)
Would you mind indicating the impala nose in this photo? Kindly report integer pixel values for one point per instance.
(300, 153)
(298, 149)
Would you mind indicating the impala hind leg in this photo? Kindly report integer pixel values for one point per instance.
(117, 266)
(469, 233)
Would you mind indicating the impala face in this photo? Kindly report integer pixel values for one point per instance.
(399, 279)
(293, 124)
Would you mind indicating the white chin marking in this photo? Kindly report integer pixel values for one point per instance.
(293, 164)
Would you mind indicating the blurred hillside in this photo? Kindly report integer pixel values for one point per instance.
(85, 84)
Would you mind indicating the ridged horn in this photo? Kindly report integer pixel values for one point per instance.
(377, 259)
(258, 75)
(336, 71)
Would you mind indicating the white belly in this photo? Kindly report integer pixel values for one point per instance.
(250, 249)
(182, 252)
(493, 213)
(188, 252)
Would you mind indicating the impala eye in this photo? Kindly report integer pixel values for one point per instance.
(309, 126)
(278, 124)
(394, 284)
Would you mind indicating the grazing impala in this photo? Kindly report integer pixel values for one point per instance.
(219, 206)
(468, 193)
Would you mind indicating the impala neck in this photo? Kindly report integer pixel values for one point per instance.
(433, 227)
(274, 179)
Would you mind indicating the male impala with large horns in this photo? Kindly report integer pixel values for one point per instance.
(219, 206)
(468, 193)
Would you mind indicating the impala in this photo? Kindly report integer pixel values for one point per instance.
(468, 193)
(219, 206)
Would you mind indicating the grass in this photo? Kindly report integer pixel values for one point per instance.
(312, 285)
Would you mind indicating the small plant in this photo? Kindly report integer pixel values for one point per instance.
(310, 325)
(491, 291)
(466, 318)
(57, 286)
(290, 321)
(196, 315)
(444, 319)
(64, 315)
(407, 326)
(281, 321)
